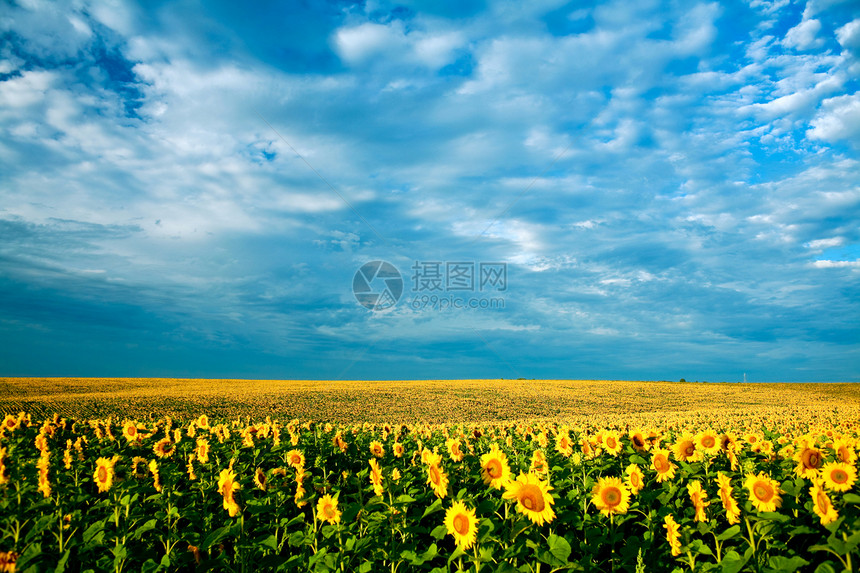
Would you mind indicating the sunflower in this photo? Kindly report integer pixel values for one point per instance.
(539, 465)
(8, 560)
(612, 442)
(764, 492)
(44, 483)
(227, 486)
(327, 509)
(164, 448)
(563, 444)
(397, 449)
(438, 480)
(11, 423)
(260, 479)
(296, 459)
(203, 422)
(821, 504)
(377, 449)
(845, 452)
(673, 534)
(131, 431)
(395, 474)
(494, 467)
(104, 473)
(635, 479)
(698, 497)
(337, 440)
(156, 478)
(839, 476)
(610, 495)
(809, 460)
(708, 442)
(638, 440)
(533, 498)
(202, 450)
(454, 450)
(685, 449)
(462, 524)
(729, 503)
(660, 463)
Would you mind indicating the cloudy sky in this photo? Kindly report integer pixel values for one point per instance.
(672, 189)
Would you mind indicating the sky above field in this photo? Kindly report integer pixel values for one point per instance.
(637, 190)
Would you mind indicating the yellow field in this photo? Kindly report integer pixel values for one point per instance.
(426, 401)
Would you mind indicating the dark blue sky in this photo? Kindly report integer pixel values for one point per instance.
(671, 189)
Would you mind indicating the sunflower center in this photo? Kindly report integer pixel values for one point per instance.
(813, 460)
(638, 441)
(611, 443)
(132, 430)
(634, 479)
(660, 464)
(822, 501)
(689, 449)
(328, 511)
(461, 524)
(103, 474)
(839, 476)
(531, 498)
(763, 491)
(611, 496)
(494, 469)
(708, 441)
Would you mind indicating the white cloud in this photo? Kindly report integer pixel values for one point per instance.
(849, 34)
(821, 244)
(384, 44)
(804, 36)
(824, 264)
(838, 119)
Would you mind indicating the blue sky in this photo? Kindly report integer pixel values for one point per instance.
(189, 188)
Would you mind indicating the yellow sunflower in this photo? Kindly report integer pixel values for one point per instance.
(377, 449)
(612, 442)
(397, 449)
(104, 473)
(494, 467)
(539, 465)
(764, 492)
(203, 422)
(202, 450)
(638, 440)
(610, 496)
(660, 463)
(809, 461)
(845, 452)
(839, 476)
(227, 487)
(635, 479)
(454, 451)
(461, 522)
(375, 477)
(438, 480)
(296, 459)
(532, 496)
(260, 479)
(164, 448)
(130, 431)
(563, 444)
(673, 534)
(708, 442)
(685, 449)
(821, 504)
(698, 497)
(327, 509)
(729, 504)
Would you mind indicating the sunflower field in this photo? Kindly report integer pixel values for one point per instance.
(695, 493)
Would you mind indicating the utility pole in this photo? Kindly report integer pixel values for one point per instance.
(745, 377)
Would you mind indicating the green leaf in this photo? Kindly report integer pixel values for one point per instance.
(214, 537)
(729, 533)
(732, 562)
(148, 526)
(434, 507)
(149, 566)
(779, 564)
(825, 568)
(439, 531)
(559, 547)
(851, 498)
(61, 564)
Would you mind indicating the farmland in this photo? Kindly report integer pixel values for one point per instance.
(475, 475)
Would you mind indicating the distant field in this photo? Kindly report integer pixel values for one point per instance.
(427, 401)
